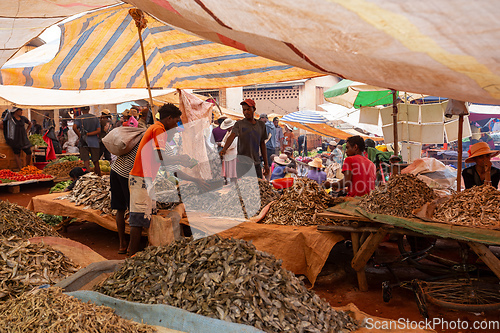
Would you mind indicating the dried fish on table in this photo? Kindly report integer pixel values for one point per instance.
(49, 310)
(299, 204)
(251, 193)
(400, 196)
(91, 191)
(226, 279)
(478, 206)
(25, 265)
(18, 221)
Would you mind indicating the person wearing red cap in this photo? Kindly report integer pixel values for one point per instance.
(251, 138)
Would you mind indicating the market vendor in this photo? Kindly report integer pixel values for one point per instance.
(152, 153)
(316, 172)
(481, 172)
(18, 138)
(75, 174)
(359, 172)
(282, 167)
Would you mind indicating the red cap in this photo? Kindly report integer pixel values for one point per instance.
(249, 102)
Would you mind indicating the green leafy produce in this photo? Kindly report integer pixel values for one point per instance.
(59, 187)
(63, 159)
(50, 219)
(37, 140)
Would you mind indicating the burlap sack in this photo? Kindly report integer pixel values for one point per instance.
(122, 140)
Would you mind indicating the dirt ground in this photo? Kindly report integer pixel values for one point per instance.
(337, 283)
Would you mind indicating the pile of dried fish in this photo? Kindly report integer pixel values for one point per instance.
(24, 265)
(91, 191)
(246, 199)
(226, 279)
(165, 190)
(62, 169)
(400, 196)
(478, 206)
(299, 204)
(49, 310)
(21, 222)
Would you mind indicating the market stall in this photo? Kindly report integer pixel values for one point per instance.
(49, 204)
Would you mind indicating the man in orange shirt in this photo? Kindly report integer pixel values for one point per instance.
(153, 152)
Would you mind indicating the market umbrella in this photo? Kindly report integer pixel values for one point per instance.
(101, 50)
(314, 122)
(355, 94)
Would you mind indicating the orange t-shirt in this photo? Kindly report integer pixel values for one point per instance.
(146, 162)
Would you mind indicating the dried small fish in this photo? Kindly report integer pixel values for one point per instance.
(400, 196)
(299, 204)
(91, 191)
(25, 265)
(18, 221)
(227, 279)
(49, 310)
(478, 206)
(245, 199)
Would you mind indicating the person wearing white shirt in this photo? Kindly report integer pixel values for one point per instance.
(229, 158)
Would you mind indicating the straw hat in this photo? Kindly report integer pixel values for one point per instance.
(282, 159)
(478, 149)
(227, 123)
(332, 143)
(316, 163)
(126, 113)
(105, 112)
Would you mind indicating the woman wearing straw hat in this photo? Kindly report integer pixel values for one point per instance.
(229, 165)
(281, 169)
(482, 172)
(316, 173)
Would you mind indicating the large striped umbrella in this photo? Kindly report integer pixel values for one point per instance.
(101, 50)
(313, 122)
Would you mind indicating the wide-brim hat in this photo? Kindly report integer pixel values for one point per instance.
(282, 159)
(332, 143)
(227, 123)
(126, 113)
(105, 112)
(316, 163)
(478, 149)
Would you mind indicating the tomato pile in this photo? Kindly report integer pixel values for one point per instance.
(7, 176)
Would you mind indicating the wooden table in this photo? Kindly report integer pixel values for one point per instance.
(367, 235)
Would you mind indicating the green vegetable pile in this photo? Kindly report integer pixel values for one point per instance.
(37, 140)
(59, 187)
(50, 219)
(63, 159)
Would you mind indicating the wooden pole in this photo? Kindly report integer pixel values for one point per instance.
(395, 121)
(140, 22)
(459, 159)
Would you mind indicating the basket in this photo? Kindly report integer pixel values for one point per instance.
(282, 183)
(40, 165)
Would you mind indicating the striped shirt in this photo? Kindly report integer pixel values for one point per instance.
(124, 164)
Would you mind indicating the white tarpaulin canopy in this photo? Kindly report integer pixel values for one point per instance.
(350, 116)
(26, 97)
(436, 47)
(23, 20)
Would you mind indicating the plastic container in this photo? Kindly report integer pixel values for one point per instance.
(282, 183)
(40, 165)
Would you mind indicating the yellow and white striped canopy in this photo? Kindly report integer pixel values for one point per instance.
(101, 50)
